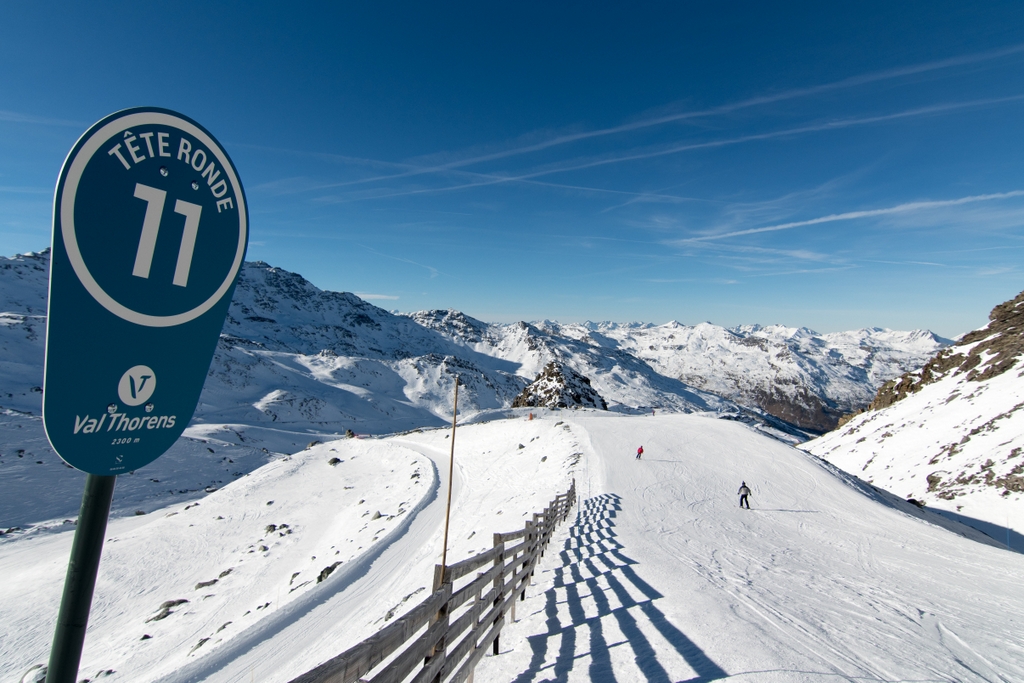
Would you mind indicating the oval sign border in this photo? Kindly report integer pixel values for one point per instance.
(67, 214)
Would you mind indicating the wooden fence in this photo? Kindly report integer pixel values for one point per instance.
(442, 639)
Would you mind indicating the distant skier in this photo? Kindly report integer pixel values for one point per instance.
(744, 492)
(639, 452)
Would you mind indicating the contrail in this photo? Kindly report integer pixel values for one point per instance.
(852, 81)
(852, 215)
(16, 117)
(817, 127)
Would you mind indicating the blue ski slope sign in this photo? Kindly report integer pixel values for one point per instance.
(150, 228)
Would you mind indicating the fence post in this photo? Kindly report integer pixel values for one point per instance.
(438, 649)
(513, 606)
(499, 583)
(536, 543)
(529, 553)
(544, 530)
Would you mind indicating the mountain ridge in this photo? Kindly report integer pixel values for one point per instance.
(281, 329)
(949, 434)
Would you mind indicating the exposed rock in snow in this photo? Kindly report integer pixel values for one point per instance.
(981, 354)
(559, 387)
(950, 434)
(25, 283)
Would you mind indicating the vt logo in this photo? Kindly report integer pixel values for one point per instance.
(136, 385)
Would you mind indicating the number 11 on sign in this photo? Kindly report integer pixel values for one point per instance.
(155, 199)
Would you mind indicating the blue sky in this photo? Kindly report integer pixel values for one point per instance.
(794, 163)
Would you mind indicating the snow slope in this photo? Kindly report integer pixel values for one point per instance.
(950, 435)
(264, 580)
(665, 578)
(662, 577)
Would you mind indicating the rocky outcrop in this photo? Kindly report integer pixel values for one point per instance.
(798, 407)
(558, 386)
(981, 355)
(950, 435)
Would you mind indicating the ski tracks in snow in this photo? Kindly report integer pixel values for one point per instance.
(664, 578)
(278, 642)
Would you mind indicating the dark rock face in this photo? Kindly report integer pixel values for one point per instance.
(805, 410)
(994, 349)
(327, 571)
(559, 386)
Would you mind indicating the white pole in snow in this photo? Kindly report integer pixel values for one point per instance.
(451, 468)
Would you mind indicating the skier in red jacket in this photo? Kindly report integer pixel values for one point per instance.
(639, 452)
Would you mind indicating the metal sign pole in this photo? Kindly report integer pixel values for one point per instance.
(69, 636)
(132, 320)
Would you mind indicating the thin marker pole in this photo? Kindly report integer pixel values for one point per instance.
(451, 469)
(84, 565)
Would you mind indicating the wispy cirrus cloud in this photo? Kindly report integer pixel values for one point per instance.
(375, 297)
(434, 272)
(680, 280)
(494, 179)
(709, 144)
(804, 271)
(18, 117)
(996, 270)
(650, 122)
(908, 207)
(303, 184)
(905, 263)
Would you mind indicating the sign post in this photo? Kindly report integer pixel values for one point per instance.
(150, 228)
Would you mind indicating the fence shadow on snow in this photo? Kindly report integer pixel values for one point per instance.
(594, 567)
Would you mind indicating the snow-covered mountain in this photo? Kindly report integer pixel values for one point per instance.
(297, 364)
(805, 378)
(950, 434)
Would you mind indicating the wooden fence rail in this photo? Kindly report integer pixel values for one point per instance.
(442, 639)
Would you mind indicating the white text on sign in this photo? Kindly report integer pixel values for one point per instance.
(155, 199)
(194, 156)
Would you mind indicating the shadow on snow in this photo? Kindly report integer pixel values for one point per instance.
(591, 557)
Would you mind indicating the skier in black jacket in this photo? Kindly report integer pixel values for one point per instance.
(744, 493)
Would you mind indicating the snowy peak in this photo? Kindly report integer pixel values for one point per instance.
(980, 355)
(398, 369)
(951, 434)
(453, 324)
(792, 373)
(25, 279)
(559, 386)
(283, 311)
